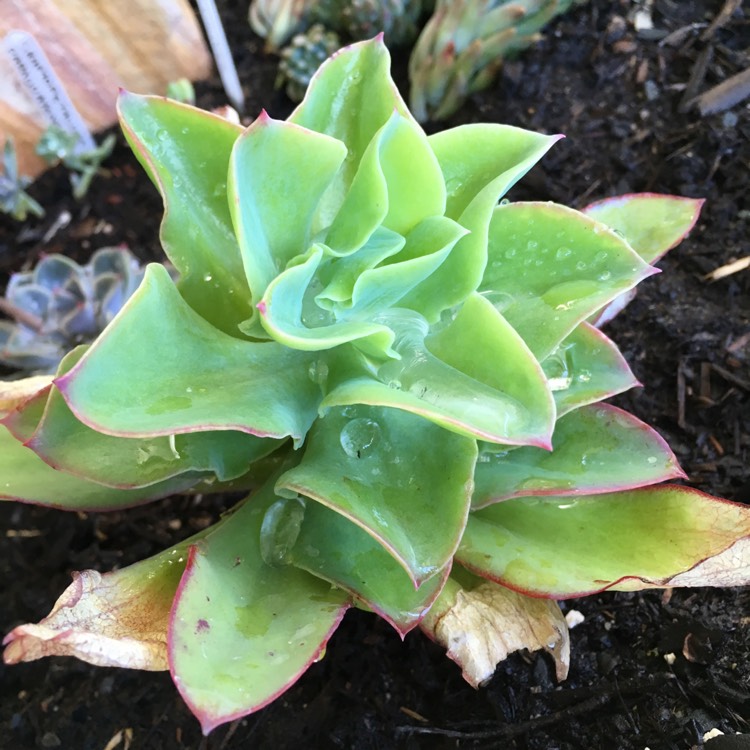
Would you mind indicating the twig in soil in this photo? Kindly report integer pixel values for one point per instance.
(730, 268)
(731, 377)
(722, 18)
(601, 698)
(697, 75)
(681, 396)
(724, 95)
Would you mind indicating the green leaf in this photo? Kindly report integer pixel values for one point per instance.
(46, 425)
(427, 246)
(350, 98)
(585, 368)
(550, 267)
(595, 449)
(199, 378)
(186, 154)
(356, 463)
(651, 223)
(562, 547)
(480, 163)
(243, 631)
(331, 547)
(277, 175)
(500, 396)
(292, 317)
(27, 479)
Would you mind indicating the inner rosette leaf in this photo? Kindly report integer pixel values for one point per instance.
(474, 376)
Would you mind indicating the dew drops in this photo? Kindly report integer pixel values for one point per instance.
(318, 372)
(359, 437)
(605, 276)
(583, 376)
(651, 460)
(208, 277)
(279, 530)
(510, 252)
(162, 134)
(563, 253)
(532, 245)
(581, 265)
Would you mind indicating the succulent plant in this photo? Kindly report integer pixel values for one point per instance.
(400, 365)
(277, 21)
(14, 200)
(60, 304)
(362, 19)
(56, 145)
(463, 45)
(302, 58)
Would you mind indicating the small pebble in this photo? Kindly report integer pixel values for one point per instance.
(50, 739)
(574, 618)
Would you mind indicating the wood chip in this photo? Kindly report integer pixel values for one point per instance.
(725, 95)
(722, 18)
(730, 268)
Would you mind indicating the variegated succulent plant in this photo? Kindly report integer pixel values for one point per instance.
(464, 44)
(404, 369)
(60, 304)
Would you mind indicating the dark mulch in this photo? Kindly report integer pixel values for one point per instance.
(619, 97)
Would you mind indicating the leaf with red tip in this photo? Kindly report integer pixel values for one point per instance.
(595, 449)
(480, 163)
(550, 267)
(186, 153)
(277, 175)
(199, 379)
(585, 368)
(501, 397)
(337, 550)
(243, 631)
(626, 541)
(402, 479)
(651, 223)
(27, 479)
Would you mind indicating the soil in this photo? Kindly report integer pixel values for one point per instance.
(620, 96)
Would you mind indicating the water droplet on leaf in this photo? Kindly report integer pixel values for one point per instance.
(359, 437)
(279, 530)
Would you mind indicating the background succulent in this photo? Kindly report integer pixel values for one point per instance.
(362, 19)
(302, 58)
(60, 304)
(463, 46)
(14, 200)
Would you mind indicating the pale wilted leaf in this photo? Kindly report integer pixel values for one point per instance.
(14, 392)
(485, 624)
(116, 620)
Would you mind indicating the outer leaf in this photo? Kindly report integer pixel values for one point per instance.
(651, 223)
(331, 547)
(186, 153)
(355, 464)
(242, 631)
(550, 267)
(480, 163)
(563, 547)
(479, 623)
(26, 478)
(500, 396)
(595, 449)
(118, 619)
(199, 379)
(586, 367)
(278, 173)
(350, 98)
(46, 425)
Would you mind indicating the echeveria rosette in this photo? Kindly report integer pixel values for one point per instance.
(403, 365)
